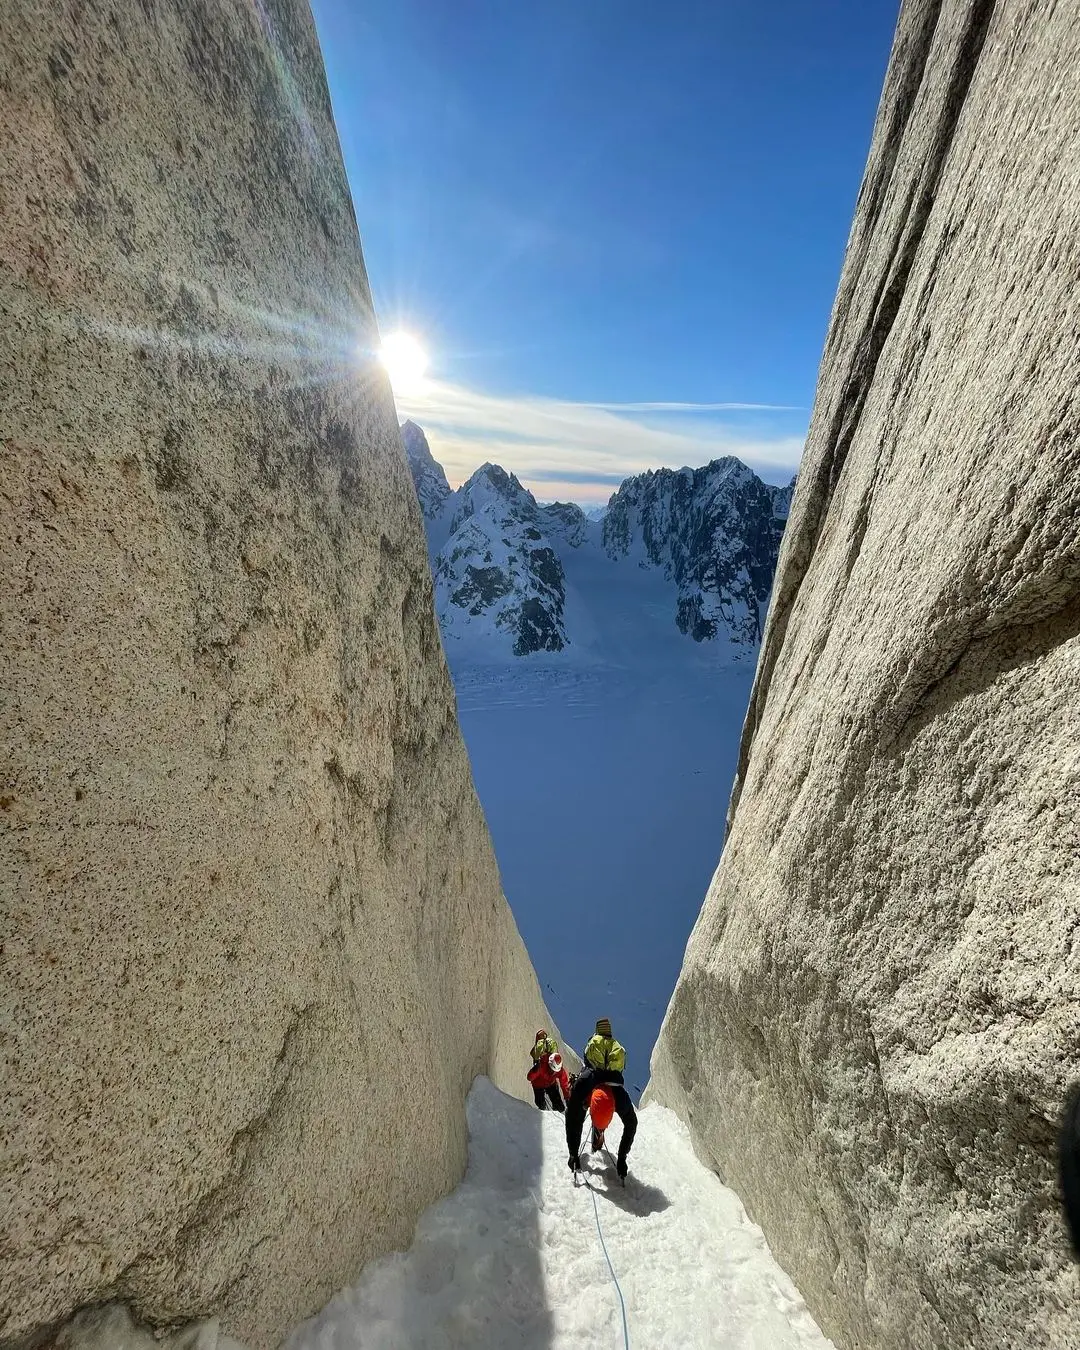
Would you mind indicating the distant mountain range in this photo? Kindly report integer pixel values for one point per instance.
(514, 578)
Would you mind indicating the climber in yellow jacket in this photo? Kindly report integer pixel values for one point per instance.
(543, 1045)
(605, 1060)
(603, 1051)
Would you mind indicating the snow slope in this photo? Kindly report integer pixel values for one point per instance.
(605, 791)
(513, 1257)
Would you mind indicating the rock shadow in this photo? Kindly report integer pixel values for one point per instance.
(472, 1274)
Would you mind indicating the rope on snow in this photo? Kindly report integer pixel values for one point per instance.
(603, 1244)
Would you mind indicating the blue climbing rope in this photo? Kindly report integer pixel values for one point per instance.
(603, 1244)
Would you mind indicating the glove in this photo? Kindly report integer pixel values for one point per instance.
(620, 1167)
(573, 1163)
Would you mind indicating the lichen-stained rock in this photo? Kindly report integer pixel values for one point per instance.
(254, 947)
(880, 1003)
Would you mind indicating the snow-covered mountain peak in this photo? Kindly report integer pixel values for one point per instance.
(499, 584)
(713, 533)
(567, 522)
(496, 477)
(491, 488)
(432, 488)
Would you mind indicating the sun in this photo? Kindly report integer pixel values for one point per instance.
(405, 360)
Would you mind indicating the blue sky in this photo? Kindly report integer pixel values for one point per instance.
(598, 215)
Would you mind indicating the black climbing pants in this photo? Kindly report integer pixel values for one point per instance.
(541, 1096)
(579, 1104)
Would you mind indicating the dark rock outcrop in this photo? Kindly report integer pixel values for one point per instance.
(714, 532)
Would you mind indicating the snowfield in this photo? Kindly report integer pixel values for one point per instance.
(512, 1260)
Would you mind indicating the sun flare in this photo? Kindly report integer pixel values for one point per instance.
(405, 360)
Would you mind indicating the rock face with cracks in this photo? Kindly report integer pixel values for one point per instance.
(254, 947)
(880, 1003)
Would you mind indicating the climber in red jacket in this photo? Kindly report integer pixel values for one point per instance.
(547, 1076)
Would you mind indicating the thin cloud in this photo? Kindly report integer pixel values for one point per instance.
(695, 407)
(581, 476)
(547, 441)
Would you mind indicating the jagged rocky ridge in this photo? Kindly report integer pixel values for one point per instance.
(428, 477)
(500, 559)
(715, 532)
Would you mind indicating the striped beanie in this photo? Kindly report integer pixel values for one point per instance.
(603, 1028)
